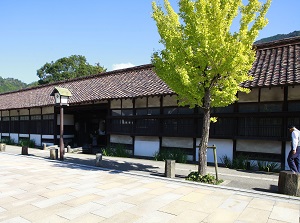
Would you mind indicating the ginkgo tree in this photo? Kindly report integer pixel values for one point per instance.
(202, 60)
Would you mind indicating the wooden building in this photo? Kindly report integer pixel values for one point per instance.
(135, 108)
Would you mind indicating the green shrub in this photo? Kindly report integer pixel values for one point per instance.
(27, 142)
(208, 179)
(8, 141)
(240, 162)
(117, 151)
(173, 154)
(268, 166)
(226, 161)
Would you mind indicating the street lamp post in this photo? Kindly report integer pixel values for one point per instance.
(61, 96)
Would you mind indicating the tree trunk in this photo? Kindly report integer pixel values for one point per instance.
(205, 135)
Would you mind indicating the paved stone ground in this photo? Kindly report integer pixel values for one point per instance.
(257, 181)
(35, 189)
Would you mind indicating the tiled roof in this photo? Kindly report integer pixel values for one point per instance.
(277, 63)
(125, 83)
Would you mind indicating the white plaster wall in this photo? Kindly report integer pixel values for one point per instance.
(24, 135)
(5, 113)
(259, 146)
(273, 94)
(177, 142)
(146, 146)
(15, 137)
(115, 103)
(127, 103)
(48, 136)
(224, 147)
(35, 111)
(36, 138)
(48, 110)
(141, 102)
(121, 139)
(14, 113)
(154, 101)
(250, 97)
(293, 93)
(170, 100)
(24, 112)
(5, 134)
(68, 119)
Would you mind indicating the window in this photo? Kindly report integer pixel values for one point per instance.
(48, 124)
(147, 126)
(223, 127)
(183, 127)
(248, 107)
(227, 109)
(259, 127)
(293, 106)
(5, 124)
(270, 107)
(36, 124)
(178, 111)
(24, 124)
(14, 124)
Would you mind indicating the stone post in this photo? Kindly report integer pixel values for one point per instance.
(289, 183)
(44, 146)
(2, 147)
(170, 168)
(98, 159)
(53, 153)
(68, 149)
(24, 150)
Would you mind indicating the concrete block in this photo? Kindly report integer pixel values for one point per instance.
(53, 153)
(289, 183)
(170, 168)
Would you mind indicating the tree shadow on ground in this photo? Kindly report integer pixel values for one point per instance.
(111, 166)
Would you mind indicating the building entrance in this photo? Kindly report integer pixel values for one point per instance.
(90, 128)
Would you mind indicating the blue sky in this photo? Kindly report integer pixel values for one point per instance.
(111, 32)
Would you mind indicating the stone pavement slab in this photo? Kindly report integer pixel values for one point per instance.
(78, 193)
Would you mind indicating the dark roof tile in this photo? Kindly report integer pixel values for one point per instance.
(125, 83)
(277, 63)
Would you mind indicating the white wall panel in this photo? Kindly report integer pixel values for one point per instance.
(271, 94)
(121, 139)
(35, 111)
(224, 147)
(177, 142)
(258, 146)
(48, 110)
(250, 97)
(15, 137)
(36, 138)
(14, 113)
(24, 112)
(68, 119)
(146, 146)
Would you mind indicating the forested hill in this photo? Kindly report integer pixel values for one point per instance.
(11, 84)
(278, 37)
